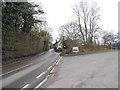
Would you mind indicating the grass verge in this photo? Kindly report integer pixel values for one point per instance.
(89, 52)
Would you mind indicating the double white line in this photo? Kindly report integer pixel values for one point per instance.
(42, 82)
(47, 75)
(40, 75)
(43, 74)
(49, 67)
(25, 86)
(58, 61)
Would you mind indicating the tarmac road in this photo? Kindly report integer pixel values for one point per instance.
(99, 70)
(27, 73)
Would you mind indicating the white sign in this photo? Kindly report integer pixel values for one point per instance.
(75, 49)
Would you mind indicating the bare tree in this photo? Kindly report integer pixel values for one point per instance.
(94, 18)
(78, 13)
(85, 11)
(108, 37)
(89, 17)
(71, 31)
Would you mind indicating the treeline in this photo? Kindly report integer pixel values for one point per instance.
(85, 26)
(22, 33)
(85, 29)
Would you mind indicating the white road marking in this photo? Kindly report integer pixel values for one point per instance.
(42, 82)
(16, 69)
(54, 63)
(58, 61)
(48, 75)
(12, 63)
(40, 75)
(25, 86)
(50, 67)
(17, 62)
(52, 70)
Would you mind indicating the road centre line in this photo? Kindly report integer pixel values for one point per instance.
(50, 67)
(44, 73)
(48, 75)
(25, 86)
(16, 69)
(58, 61)
(54, 63)
(52, 70)
(40, 75)
(42, 82)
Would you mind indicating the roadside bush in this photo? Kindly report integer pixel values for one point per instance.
(68, 51)
(19, 39)
(62, 53)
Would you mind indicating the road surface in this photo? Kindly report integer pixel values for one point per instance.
(28, 73)
(98, 70)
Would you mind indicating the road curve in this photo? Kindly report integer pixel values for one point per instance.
(28, 73)
(98, 70)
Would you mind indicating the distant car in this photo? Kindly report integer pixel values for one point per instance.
(59, 49)
(75, 49)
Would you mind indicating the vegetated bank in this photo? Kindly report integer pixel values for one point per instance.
(23, 33)
(90, 50)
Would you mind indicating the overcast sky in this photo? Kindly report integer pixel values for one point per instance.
(59, 12)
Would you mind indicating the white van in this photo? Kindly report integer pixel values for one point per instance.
(75, 49)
